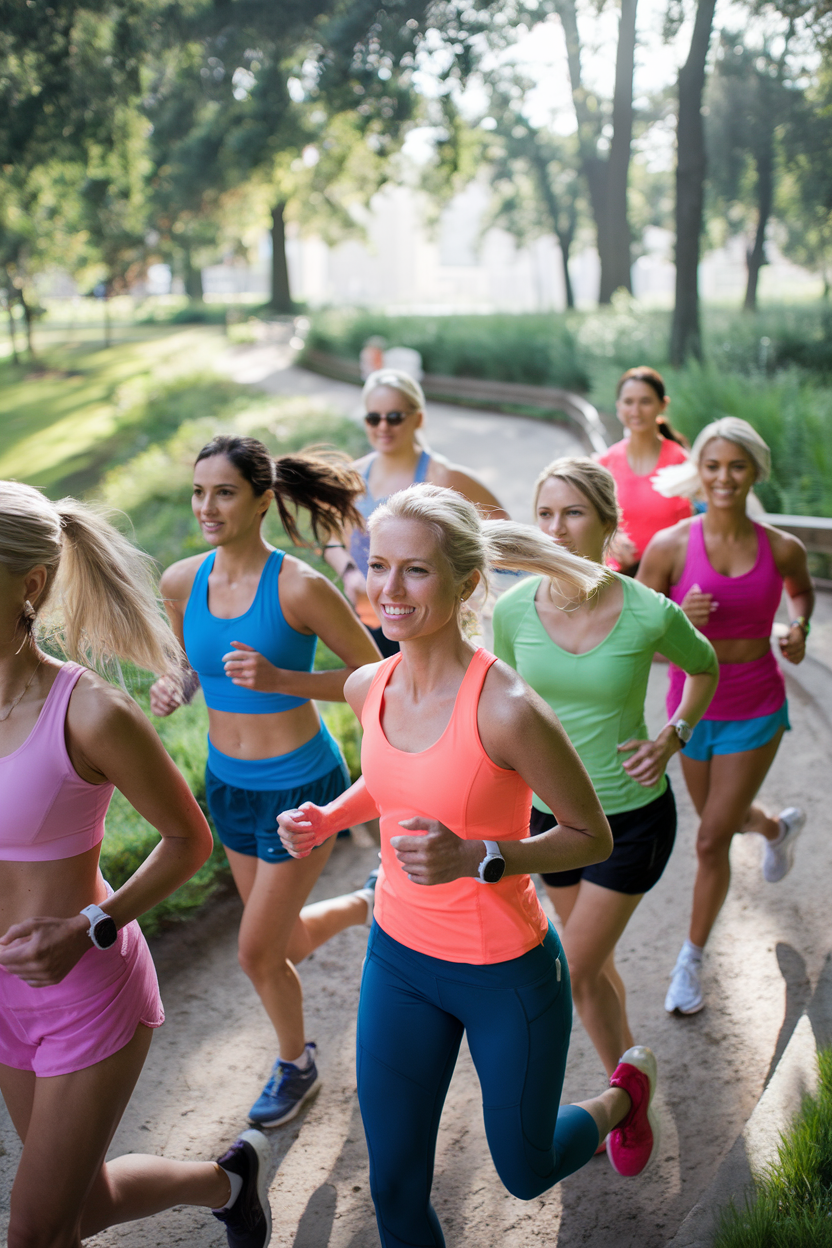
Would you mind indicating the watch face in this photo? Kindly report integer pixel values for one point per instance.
(105, 932)
(493, 870)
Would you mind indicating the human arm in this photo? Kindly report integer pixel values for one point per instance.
(790, 558)
(688, 649)
(310, 604)
(336, 553)
(303, 829)
(519, 732)
(175, 587)
(109, 739)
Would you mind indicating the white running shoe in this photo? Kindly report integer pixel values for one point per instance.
(684, 996)
(778, 856)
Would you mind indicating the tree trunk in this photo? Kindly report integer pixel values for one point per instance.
(564, 235)
(191, 277)
(685, 338)
(27, 321)
(565, 242)
(755, 257)
(617, 271)
(281, 299)
(12, 337)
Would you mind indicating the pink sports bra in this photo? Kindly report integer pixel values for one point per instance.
(747, 603)
(48, 812)
(455, 781)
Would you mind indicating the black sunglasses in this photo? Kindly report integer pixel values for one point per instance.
(374, 419)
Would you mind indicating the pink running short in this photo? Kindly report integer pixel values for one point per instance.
(88, 1016)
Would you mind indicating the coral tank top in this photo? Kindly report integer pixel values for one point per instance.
(48, 811)
(456, 782)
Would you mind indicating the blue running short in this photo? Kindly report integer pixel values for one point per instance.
(246, 819)
(734, 736)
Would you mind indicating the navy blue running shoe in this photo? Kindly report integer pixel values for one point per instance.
(285, 1092)
(248, 1223)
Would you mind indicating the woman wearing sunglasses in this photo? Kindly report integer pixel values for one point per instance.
(395, 405)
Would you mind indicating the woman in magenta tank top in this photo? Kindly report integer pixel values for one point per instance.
(454, 740)
(728, 574)
(79, 998)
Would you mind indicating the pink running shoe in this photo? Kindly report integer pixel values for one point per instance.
(635, 1141)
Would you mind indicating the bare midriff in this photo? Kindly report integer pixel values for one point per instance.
(58, 889)
(263, 736)
(740, 649)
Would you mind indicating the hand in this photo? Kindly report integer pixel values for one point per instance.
(43, 951)
(650, 758)
(439, 856)
(698, 607)
(249, 669)
(793, 645)
(164, 697)
(355, 584)
(302, 830)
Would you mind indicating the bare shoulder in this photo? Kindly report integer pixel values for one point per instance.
(668, 541)
(100, 711)
(177, 580)
(788, 551)
(298, 579)
(358, 686)
(363, 462)
(508, 703)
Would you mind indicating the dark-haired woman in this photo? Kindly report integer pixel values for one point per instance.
(249, 617)
(641, 405)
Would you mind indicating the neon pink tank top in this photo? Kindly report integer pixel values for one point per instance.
(48, 812)
(456, 782)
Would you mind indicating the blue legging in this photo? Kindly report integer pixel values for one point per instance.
(411, 1016)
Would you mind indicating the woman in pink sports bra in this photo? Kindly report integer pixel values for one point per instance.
(728, 574)
(78, 993)
(454, 741)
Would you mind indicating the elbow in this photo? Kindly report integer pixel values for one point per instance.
(602, 844)
(203, 847)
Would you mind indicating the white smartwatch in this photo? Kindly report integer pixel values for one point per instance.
(102, 930)
(492, 868)
(683, 730)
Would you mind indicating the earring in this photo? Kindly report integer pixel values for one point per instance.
(28, 611)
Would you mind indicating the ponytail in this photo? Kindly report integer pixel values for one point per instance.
(100, 599)
(471, 544)
(321, 480)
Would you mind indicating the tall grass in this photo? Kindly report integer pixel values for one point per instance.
(791, 1204)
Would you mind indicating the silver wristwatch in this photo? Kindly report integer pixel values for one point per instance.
(683, 730)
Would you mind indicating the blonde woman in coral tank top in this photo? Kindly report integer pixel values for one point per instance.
(454, 742)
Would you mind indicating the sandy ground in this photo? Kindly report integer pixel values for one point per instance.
(210, 1059)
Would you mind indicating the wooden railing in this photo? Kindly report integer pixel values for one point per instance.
(815, 532)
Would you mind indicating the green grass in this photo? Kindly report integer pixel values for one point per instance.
(124, 426)
(791, 1204)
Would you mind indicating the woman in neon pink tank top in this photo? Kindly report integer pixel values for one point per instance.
(453, 742)
(78, 993)
(728, 573)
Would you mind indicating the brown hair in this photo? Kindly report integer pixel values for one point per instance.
(652, 378)
(320, 480)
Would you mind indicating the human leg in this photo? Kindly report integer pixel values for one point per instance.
(407, 1050)
(593, 929)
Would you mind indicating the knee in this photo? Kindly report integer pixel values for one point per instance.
(258, 959)
(29, 1229)
(584, 981)
(713, 843)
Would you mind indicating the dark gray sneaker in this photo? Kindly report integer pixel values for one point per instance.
(248, 1223)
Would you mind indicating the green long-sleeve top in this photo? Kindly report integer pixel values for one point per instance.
(599, 696)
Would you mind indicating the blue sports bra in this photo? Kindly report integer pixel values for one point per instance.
(263, 626)
(366, 504)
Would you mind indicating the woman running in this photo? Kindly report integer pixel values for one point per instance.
(453, 740)
(78, 993)
(395, 406)
(641, 405)
(249, 618)
(728, 572)
(591, 663)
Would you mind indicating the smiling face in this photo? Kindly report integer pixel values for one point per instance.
(410, 582)
(565, 514)
(391, 438)
(639, 407)
(727, 474)
(225, 505)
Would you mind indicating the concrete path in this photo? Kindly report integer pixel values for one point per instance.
(766, 957)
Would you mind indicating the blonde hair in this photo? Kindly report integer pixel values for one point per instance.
(396, 380)
(100, 592)
(471, 544)
(683, 480)
(594, 481)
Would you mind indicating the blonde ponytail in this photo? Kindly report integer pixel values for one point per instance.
(100, 602)
(471, 544)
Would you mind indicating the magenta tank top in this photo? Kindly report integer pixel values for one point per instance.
(48, 811)
(747, 603)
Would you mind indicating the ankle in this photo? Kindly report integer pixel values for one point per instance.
(692, 952)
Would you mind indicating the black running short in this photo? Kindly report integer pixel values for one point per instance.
(642, 843)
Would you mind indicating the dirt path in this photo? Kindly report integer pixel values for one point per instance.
(208, 1063)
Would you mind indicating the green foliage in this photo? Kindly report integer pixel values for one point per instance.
(791, 1205)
